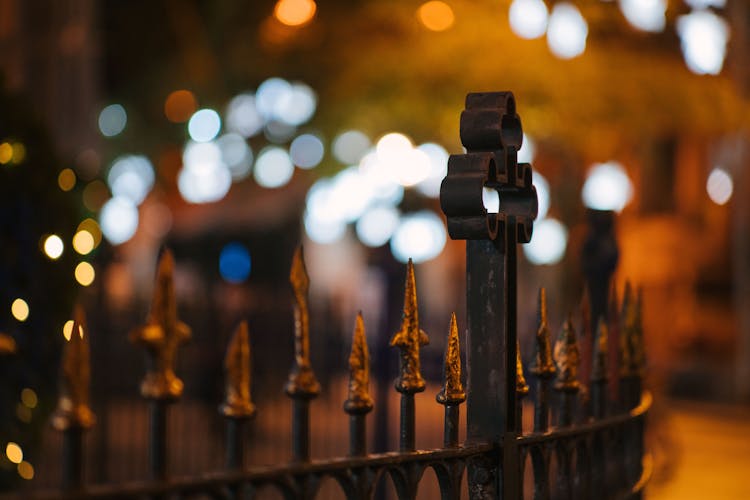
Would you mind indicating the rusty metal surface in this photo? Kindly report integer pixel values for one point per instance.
(238, 402)
(359, 399)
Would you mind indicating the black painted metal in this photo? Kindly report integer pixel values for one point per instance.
(300, 429)
(72, 459)
(157, 455)
(406, 436)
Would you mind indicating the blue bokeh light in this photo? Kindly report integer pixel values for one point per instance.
(234, 263)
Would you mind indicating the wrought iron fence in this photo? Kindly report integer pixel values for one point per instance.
(584, 444)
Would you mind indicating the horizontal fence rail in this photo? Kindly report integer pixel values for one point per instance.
(586, 441)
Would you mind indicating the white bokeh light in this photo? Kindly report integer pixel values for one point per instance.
(528, 18)
(377, 225)
(645, 15)
(438, 158)
(703, 37)
(307, 151)
(349, 147)
(548, 242)
(607, 187)
(704, 4)
(420, 236)
(491, 200)
(235, 154)
(324, 231)
(112, 120)
(273, 167)
(204, 125)
(542, 194)
(273, 97)
(299, 107)
(132, 177)
(242, 116)
(204, 182)
(118, 220)
(401, 161)
(386, 190)
(527, 151)
(567, 31)
(719, 186)
(53, 246)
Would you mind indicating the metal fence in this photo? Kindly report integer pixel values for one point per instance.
(586, 442)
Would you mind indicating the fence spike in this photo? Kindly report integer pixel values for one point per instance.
(359, 400)
(238, 401)
(452, 392)
(409, 339)
(544, 365)
(73, 409)
(161, 335)
(599, 365)
(567, 358)
(302, 381)
(522, 388)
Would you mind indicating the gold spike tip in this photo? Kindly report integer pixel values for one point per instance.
(409, 339)
(544, 365)
(298, 277)
(599, 368)
(161, 336)
(452, 392)
(73, 411)
(359, 401)
(237, 402)
(522, 388)
(567, 359)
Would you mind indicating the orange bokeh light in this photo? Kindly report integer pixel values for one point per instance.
(294, 12)
(180, 106)
(436, 15)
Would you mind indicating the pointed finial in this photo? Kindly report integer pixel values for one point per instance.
(543, 366)
(161, 335)
(522, 388)
(73, 409)
(567, 358)
(452, 392)
(599, 368)
(359, 400)
(237, 401)
(409, 339)
(302, 381)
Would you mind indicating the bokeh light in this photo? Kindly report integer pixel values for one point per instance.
(272, 96)
(438, 160)
(67, 330)
(19, 309)
(242, 117)
(85, 273)
(645, 15)
(53, 246)
(491, 200)
(548, 243)
(607, 187)
(349, 147)
(542, 194)
(294, 12)
(527, 151)
(26, 470)
(83, 242)
(131, 177)
(204, 183)
(92, 227)
(436, 15)
(94, 195)
(235, 154)
(180, 106)
(273, 168)
(204, 125)
(234, 262)
(719, 186)
(324, 232)
(29, 398)
(703, 37)
(420, 236)
(119, 220)
(66, 179)
(566, 31)
(376, 226)
(528, 18)
(6, 153)
(306, 151)
(112, 120)
(19, 152)
(299, 107)
(14, 452)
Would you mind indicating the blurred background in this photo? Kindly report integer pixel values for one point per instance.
(233, 131)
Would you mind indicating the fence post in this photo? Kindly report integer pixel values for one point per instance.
(492, 134)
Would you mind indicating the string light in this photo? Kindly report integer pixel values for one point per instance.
(53, 246)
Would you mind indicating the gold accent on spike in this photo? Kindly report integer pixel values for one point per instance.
(237, 402)
(544, 365)
(73, 409)
(409, 339)
(452, 392)
(302, 381)
(7, 344)
(632, 353)
(599, 368)
(161, 335)
(359, 400)
(522, 388)
(567, 358)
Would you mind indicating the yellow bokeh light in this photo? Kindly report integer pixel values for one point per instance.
(19, 309)
(19, 152)
(92, 227)
(6, 153)
(53, 246)
(68, 329)
(294, 12)
(66, 179)
(436, 15)
(83, 242)
(26, 470)
(23, 413)
(85, 273)
(14, 452)
(29, 397)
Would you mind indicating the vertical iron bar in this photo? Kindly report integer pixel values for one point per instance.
(450, 426)
(406, 442)
(72, 459)
(357, 435)
(599, 398)
(300, 429)
(541, 404)
(158, 439)
(235, 455)
(566, 408)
